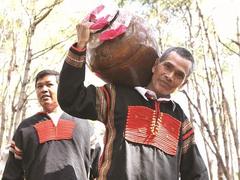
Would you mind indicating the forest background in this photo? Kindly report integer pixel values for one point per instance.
(37, 34)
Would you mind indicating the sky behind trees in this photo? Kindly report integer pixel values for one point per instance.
(214, 88)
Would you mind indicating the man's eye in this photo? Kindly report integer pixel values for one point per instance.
(180, 76)
(50, 84)
(167, 66)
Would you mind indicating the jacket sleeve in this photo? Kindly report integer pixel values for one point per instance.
(13, 169)
(73, 97)
(95, 157)
(192, 166)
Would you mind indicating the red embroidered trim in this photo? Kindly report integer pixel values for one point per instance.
(144, 127)
(47, 131)
(105, 92)
(188, 134)
(79, 49)
(15, 150)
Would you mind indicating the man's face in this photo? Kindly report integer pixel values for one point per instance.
(46, 89)
(169, 74)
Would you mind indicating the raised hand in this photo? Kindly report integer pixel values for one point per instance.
(83, 34)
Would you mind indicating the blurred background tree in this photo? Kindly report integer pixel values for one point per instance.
(37, 34)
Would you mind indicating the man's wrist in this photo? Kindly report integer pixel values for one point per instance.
(81, 45)
(75, 56)
(78, 48)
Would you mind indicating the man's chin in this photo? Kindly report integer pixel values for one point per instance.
(49, 107)
(46, 103)
(163, 93)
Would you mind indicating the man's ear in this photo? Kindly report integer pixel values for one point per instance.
(153, 68)
(155, 64)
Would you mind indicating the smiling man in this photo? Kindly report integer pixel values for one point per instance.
(148, 136)
(171, 71)
(46, 89)
(52, 145)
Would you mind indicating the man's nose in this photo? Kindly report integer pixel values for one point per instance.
(170, 76)
(44, 88)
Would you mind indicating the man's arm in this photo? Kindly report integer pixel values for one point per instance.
(192, 166)
(73, 97)
(13, 168)
(95, 157)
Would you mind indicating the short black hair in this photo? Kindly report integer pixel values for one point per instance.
(46, 72)
(183, 52)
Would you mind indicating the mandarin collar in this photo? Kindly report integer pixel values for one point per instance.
(143, 91)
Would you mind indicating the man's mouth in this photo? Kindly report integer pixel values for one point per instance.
(164, 84)
(45, 97)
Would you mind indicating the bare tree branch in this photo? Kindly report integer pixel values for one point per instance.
(226, 46)
(44, 51)
(218, 155)
(38, 18)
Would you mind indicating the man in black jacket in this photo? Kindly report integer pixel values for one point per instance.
(148, 136)
(52, 145)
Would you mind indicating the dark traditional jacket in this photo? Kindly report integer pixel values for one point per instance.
(144, 140)
(42, 151)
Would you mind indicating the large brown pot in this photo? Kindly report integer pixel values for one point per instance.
(128, 58)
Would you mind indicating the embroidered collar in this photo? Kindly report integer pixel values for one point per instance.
(143, 91)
